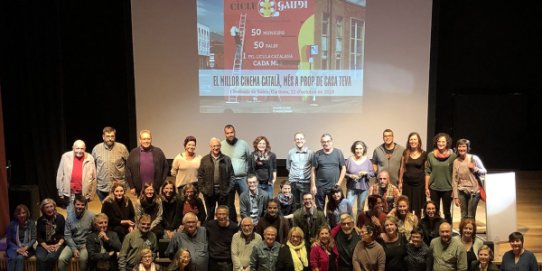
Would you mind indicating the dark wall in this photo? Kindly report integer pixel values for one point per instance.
(486, 79)
(66, 71)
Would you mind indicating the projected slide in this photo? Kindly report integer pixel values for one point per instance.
(275, 56)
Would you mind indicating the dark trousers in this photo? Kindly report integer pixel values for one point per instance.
(298, 189)
(210, 204)
(219, 265)
(46, 260)
(446, 197)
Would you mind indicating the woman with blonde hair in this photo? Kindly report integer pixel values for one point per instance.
(50, 235)
(182, 261)
(146, 262)
(294, 256)
(484, 262)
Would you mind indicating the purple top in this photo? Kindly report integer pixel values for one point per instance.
(353, 168)
(146, 167)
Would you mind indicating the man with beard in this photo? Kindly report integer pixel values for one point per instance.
(252, 202)
(448, 253)
(193, 238)
(386, 190)
(78, 227)
(242, 244)
(110, 158)
(239, 152)
(388, 156)
(264, 256)
(146, 164)
(76, 174)
(220, 233)
(309, 218)
(135, 241)
(273, 218)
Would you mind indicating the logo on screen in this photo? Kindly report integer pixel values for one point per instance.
(267, 9)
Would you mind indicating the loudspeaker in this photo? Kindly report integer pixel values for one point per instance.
(27, 195)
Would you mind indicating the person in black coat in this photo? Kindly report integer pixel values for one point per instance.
(287, 260)
(100, 238)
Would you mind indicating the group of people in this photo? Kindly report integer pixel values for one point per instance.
(308, 225)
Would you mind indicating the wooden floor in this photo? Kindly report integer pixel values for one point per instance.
(529, 213)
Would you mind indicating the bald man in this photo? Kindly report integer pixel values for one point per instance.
(448, 253)
(76, 174)
(215, 178)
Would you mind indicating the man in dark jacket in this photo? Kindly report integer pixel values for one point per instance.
(215, 178)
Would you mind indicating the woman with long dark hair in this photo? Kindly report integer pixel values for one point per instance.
(150, 203)
(120, 211)
(263, 163)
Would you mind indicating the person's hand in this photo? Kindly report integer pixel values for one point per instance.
(313, 189)
(76, 253)
(133, 191)
(456, 201)
(111, 253)
(130, 229)
(102, 235)
(375, 221)
(169, 234)
(427, 193)
(400, 186)
(471, 166)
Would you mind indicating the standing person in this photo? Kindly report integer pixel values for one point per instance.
(368, 254)
(102, 246)
(78, 227)
(238, 151)
(346, 239)
(135, 242)
(274, 218)
(328, 170)
(110, 158)
(359, 170)
(185, 165)
(294, 256)
(418, 254)
(412, 173)
(448, 253)
(518, 258)
(466, 188)
(264, 255)
(298, 164)
(309, 218)
(120, 210)
(150, 203)
(263, 164)
(20, 238)
(324, 255)
(50, 229)
(252, 202)
(336, 206)
(388, 156)
(76, 174)
(386, 190)
(215, 178)
(438, 173)
(430, 222)
(242, 244)
(220, 232)
(146, 164)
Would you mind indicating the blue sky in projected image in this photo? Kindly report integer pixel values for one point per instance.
(211, 14)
